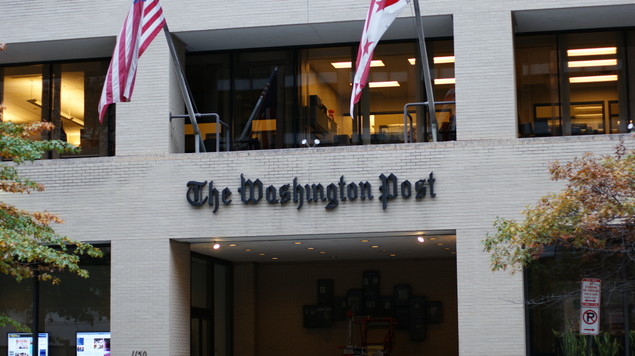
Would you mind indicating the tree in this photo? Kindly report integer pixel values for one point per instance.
(594, 214)
(585, 230)
(29, 246)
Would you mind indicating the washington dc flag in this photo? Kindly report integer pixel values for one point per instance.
(380, 16)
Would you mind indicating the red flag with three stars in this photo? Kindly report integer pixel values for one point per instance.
(380, 16)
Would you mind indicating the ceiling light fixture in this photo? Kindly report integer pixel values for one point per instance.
(594, 79)
(386, 84)
(216, 246)
(579, 52)
(443, 59)
(421, 239)
(345, 65)
(592, 63)
(444, 81)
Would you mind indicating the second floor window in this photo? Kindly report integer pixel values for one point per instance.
(278, 98)
(573, 83)
(65, 94)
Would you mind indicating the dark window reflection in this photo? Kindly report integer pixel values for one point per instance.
(74, 305)
(573, 83)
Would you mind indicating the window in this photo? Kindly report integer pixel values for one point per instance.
(75, 305)
(553, 285)
(573, 83)
(277, 98)
(65, 94)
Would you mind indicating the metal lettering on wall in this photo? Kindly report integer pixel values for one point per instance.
(253, 191)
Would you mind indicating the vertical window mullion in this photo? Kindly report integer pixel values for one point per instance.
(563, 83)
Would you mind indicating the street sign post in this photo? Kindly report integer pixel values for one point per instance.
(590, 306)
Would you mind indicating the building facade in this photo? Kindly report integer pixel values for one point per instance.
(307, 231)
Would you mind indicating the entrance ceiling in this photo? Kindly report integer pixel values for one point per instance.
(340, 247)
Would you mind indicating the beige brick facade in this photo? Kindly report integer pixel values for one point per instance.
(136, 199)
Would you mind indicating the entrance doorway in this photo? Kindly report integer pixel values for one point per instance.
(315, 295)
(210, 306)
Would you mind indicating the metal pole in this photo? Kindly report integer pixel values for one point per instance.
(627, 324)
(35, 333)
(427, 78)
(184, 91)
(254, 112)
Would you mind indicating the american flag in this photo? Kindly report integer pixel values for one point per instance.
(143, 23)
(381, 14)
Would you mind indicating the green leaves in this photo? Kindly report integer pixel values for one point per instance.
(29, 246)
(22, 142)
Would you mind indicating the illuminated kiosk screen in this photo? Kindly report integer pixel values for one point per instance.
(93, 343)
(21, 344)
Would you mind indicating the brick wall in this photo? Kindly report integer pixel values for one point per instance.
(137, 199)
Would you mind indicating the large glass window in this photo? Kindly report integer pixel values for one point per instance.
(66, 94)
(278, 98)
(553, 301)
(572, 83)
(75, 305)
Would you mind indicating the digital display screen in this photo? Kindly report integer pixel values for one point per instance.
(21, 344)
(93, 343)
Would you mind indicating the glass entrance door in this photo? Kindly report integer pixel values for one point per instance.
(210, 327)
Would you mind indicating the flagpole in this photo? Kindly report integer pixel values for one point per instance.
(199, 144)
(427, 78)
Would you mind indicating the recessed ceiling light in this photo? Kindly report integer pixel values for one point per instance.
(216, 246)
(247, 250)
(232, 245)
(344, 65)
(374, 246)
(591, 51)
(274, 258)
(322, 253)
(440, 244)
(363, 240)
(443, 59)
(434, 238)
(386, 84)
(442, 81)
(421, 239)
(297, 243)
(393, 255)
(592, 63)
(261, 254)
(594, 79)
(310, 248)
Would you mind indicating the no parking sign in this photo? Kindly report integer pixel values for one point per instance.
(589, 321)
(590, 306)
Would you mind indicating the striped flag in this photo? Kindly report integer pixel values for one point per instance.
(143, 23)
(380, 16)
